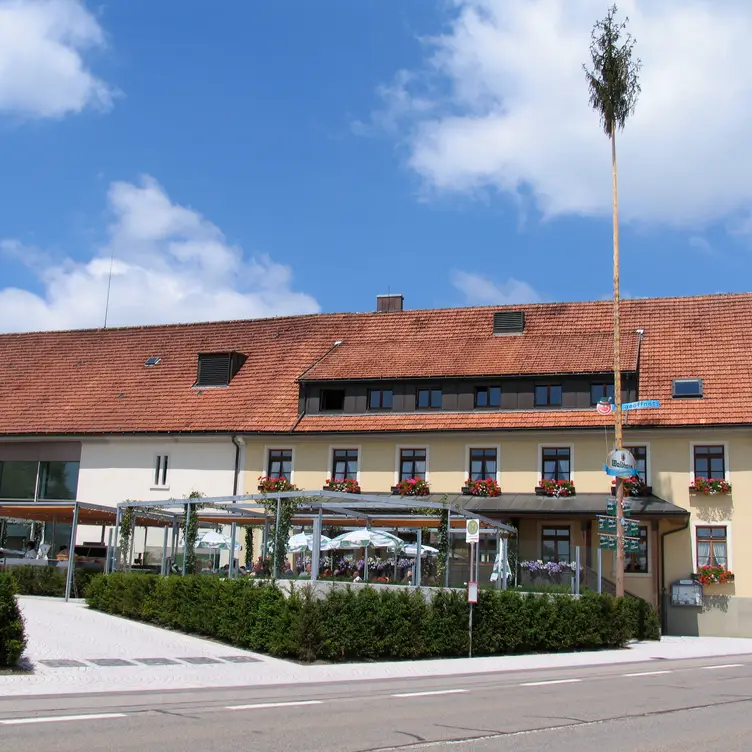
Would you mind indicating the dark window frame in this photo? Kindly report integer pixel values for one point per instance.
(349, 456)
(556, 540)
(712, 539)
(383, 396)
(559, 456)
(640, 453)
(603, 388)
(323, 408)
(548, 402)
(410, 456)
(690, 395)
(719, 451)
(279, 457)
(484, 460)
(432, 391)
(488, 391)
(161, 465)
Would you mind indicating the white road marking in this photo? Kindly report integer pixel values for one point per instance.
(59, 718)
(262, 705)
(435, 692)
(553, 681)
(648, 673)
(725, 665)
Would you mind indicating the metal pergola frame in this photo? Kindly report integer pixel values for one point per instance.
(315, 509)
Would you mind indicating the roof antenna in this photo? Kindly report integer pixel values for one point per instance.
(109, 285)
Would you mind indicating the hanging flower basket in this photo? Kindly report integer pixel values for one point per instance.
(349, 485)
(487, 487)
(274, 485)
(411, 487)
(633, 486)
(713, 575)
(555, 488)
(709, 486)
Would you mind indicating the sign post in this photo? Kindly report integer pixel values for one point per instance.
(472, 536)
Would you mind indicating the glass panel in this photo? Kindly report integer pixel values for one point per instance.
(420, 470)
(555, 395)
(719, 552)
(494, 396)
(374, 400)
(386, 399)
(58, 480)
(18, 480)
(541, 395)
(481, 397)
(436, 398)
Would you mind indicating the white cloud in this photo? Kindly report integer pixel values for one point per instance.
(479, 290)
(170, 265)
(514, 113)
(42, 69)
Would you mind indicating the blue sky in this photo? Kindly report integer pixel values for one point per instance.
(263, 158)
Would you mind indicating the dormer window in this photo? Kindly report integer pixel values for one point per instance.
(218, 369)
(687, 388)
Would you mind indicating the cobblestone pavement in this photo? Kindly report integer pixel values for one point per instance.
(72, 649)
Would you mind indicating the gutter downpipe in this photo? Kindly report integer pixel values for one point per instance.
(238, 444)
(664, 604)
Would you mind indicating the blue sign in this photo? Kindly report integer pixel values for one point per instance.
(639, 405)
(621, 472)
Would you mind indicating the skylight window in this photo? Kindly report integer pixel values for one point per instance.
(687, 388)
(154, 360)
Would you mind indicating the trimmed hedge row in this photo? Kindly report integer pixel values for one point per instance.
(49, 581)
(12, 637)
(365, 624)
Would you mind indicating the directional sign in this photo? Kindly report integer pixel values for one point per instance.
(606, 524)
(640, 405)
(611, 507)
(607, 543)
(472, 531)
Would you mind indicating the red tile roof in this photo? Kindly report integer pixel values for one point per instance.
(95, 381)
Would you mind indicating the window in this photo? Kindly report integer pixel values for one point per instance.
(556, 463)
(429, 398)
(218, 369)
(712, 546)
(58, 480)
(600, 392)
(687, 388)
(18, 480)
(345, 464)
(710, 462)
(637, 561)
(280, 464)
(380, 399)
(555, 544)
(483, 464)
(640, 453)
(548, 395)
(160, 470)
(412, 464)
(488, 396)
(332, 399)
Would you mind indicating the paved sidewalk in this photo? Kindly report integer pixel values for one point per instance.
(75, 650)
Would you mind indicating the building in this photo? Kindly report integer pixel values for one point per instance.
(441, 395)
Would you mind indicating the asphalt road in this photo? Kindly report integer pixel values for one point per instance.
(664, 705)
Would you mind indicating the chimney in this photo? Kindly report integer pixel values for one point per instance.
(389, 303)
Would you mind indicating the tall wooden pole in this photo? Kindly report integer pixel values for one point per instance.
(617, 376)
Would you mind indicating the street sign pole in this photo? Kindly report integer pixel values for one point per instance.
(472, 536)
(470, 599)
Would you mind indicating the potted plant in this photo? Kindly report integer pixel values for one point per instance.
(487, 487)
(713, 574)
(709, 486)
(274, 485)
(555, 488)
(633, 486)
(411, 487)
(348, 485)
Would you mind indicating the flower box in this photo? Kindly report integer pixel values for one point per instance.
(710, 575)
(343, 486)
(274, 485)
(485, 488)
(411, 487)
(710, 487)
(633, 487)
(555, 488)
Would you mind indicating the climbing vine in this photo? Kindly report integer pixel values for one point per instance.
(280, 534)
(190, 532)
(126, 535)
(443, 544)
(248, 547)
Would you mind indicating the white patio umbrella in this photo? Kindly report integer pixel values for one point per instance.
(304, 542)
(212, 539)
(365, 538)
(411, 549)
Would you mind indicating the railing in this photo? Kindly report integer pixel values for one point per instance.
(607, 586)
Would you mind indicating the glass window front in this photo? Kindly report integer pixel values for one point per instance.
(58, 480)
(488, 396)
(601, 391)
(483, 464)
(412, 464)
(710, 462)
(556, 463)
(18, 480)
(345, 464)
(637, 562)
(712, 546)
(280, 463)
(548, 395)
(555, 544)
(380, 399)
(429, 398)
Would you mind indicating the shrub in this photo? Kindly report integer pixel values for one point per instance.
(345, 624)
(12, 637)
(49, 581)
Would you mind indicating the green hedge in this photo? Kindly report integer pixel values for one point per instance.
(348, 624)
(12, 637)
(48, 581)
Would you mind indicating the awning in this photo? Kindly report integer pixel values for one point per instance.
(525, 505)
(62, 512)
